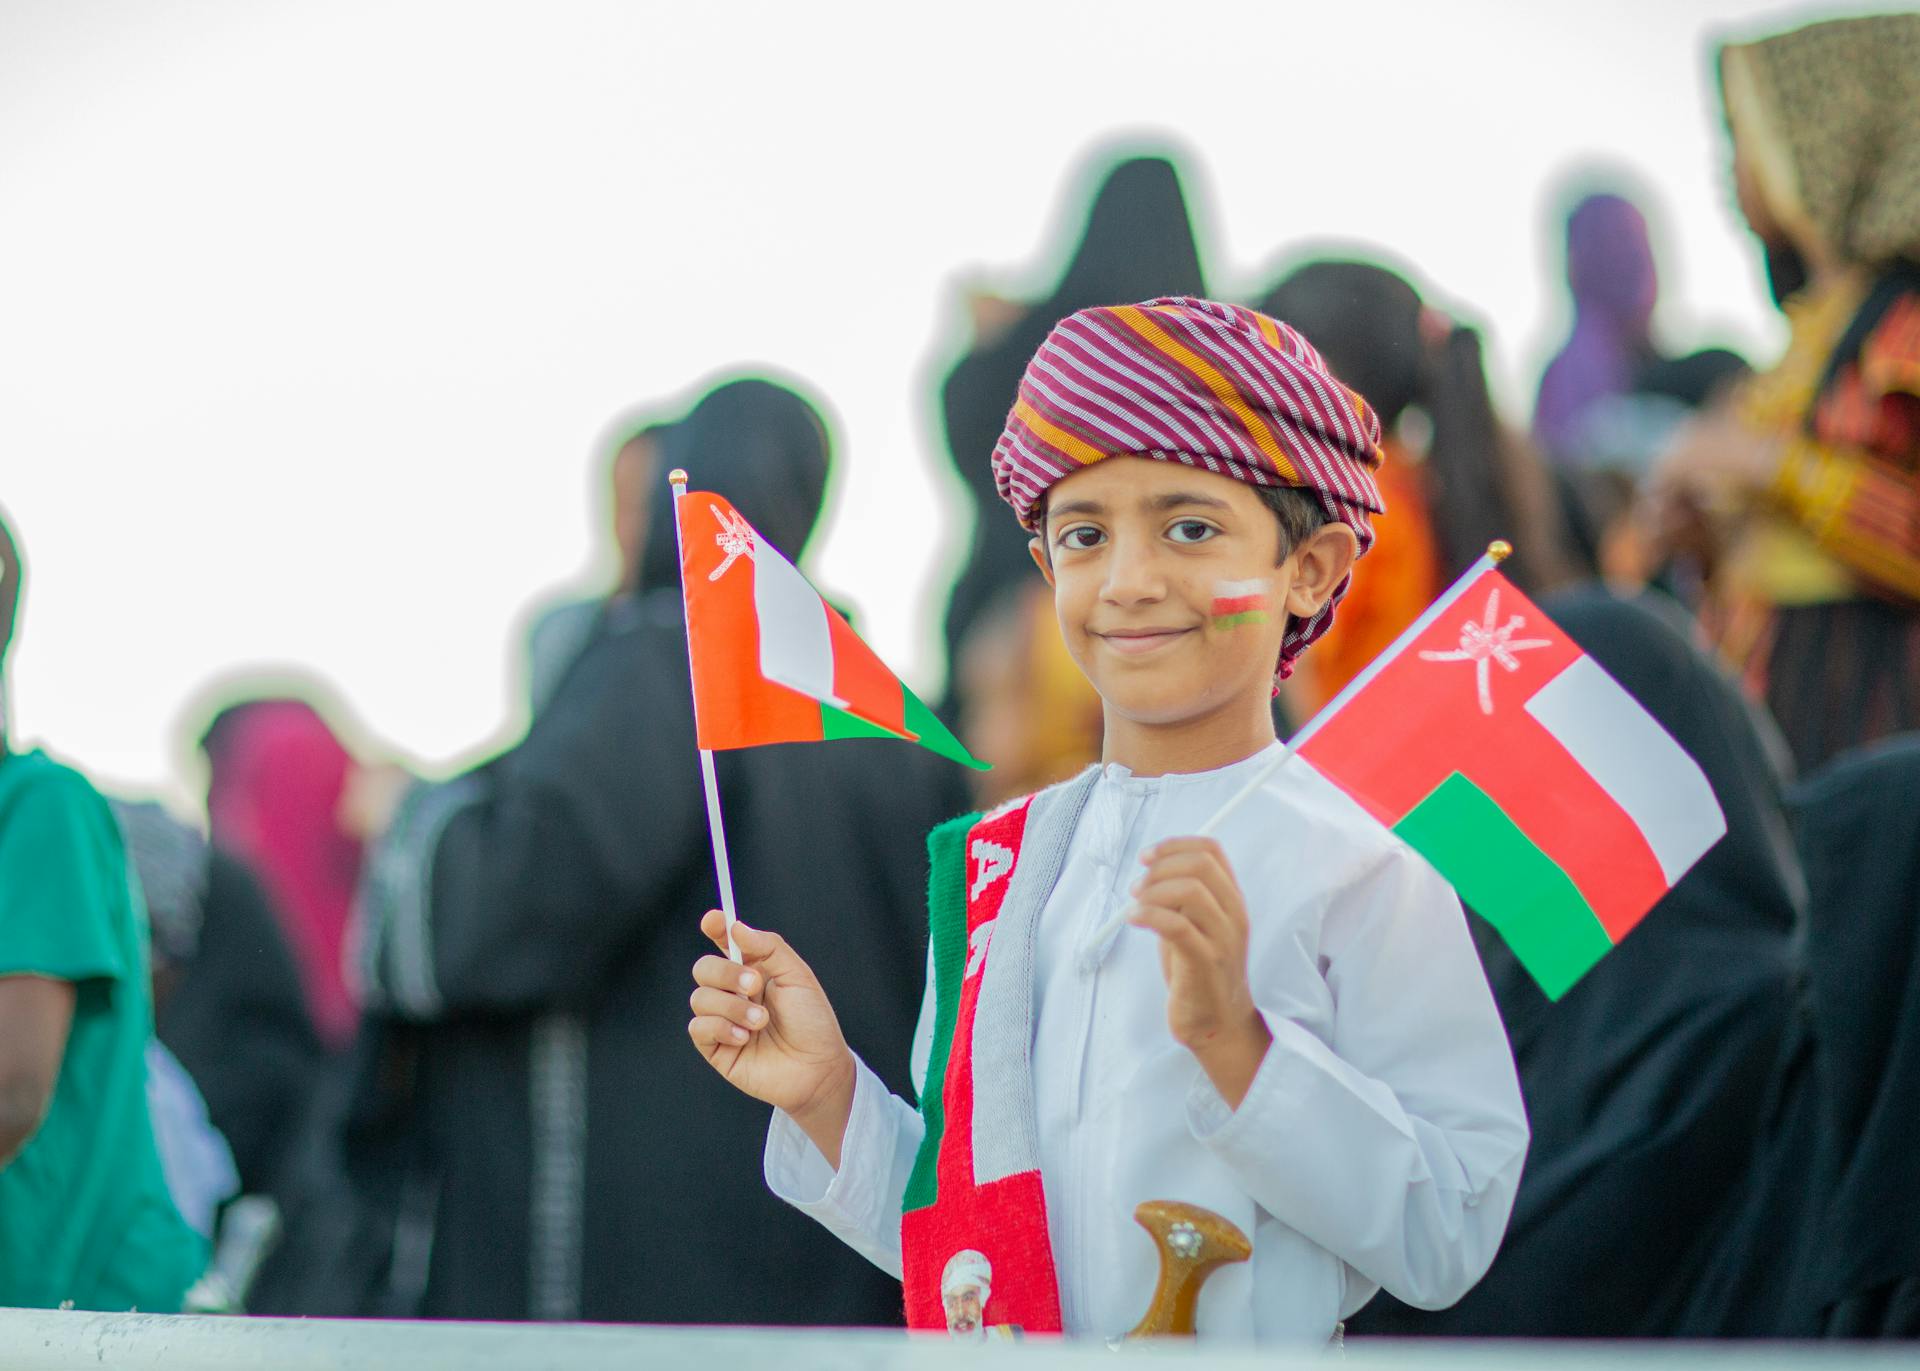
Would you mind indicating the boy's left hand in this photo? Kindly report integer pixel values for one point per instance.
(1191, 900)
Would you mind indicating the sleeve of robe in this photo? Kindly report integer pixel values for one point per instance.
(1854, 483)
(861, 1202)
(514, 886)
(1862, 510)
(1398, 1145)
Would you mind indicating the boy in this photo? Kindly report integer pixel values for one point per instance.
(1305, 1045)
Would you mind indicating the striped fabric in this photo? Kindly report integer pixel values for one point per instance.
(1215, 386)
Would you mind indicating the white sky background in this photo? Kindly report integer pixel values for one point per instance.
(309, 313)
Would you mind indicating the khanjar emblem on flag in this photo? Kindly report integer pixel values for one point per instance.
(1556, 805)
(772, 661)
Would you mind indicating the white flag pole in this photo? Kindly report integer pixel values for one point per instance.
(678, 480)
(1497, 552)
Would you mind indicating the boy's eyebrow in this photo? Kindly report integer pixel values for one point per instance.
(1076, 507)
(1173, 499)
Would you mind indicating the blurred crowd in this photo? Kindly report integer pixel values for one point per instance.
(418, 1045)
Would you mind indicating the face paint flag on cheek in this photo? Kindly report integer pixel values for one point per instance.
(1239, 602)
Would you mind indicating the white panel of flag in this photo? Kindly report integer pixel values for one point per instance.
(1634, 760)
(796, 647)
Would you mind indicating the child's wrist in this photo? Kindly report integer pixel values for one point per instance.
(824, 1115)
(1232, 1057)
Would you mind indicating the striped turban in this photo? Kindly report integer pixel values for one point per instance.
(1215, 386)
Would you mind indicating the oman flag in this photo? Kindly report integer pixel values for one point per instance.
(1554, 803)
(772, 661)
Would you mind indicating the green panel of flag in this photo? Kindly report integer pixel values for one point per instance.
(933, 735)
(1509, 881)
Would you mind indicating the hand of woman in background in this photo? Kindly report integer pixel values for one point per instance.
(1715, 468)
(1715, 461)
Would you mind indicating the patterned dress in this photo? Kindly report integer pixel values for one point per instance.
(1822, 604)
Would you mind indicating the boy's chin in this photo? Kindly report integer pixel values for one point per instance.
(1157, 706)
(1183, 689)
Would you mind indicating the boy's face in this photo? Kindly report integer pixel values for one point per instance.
(1169, 586)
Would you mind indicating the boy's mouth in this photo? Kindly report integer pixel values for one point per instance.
(1135, 642)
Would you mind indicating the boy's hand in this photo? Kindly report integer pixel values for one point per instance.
(765, 1024)
(1190, 899)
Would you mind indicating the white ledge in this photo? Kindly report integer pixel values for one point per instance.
(42, 1340)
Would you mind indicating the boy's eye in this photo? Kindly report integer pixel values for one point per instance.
(1191, 531)
(1081, 536)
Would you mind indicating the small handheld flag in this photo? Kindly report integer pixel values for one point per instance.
(772, 662)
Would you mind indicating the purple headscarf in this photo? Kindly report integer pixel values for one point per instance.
(1611, 274)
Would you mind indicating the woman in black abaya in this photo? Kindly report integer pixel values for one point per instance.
(1859, 826)
(1646, 1084)
(1138, 244)
(529, 929)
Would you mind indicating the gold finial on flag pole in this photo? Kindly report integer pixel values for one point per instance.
(676, 477)
(1499, 549)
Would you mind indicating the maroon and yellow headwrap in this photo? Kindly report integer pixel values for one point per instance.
(1215, 386)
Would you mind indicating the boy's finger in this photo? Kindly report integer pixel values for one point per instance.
(707, 1002)
(766, 953)
(1173, 927)
(1187, 896)
(710, 1032)
(1168, 847)
(722, 974)
(1188, 861)
(1206, 867)
(1199, 866)
(755, 944)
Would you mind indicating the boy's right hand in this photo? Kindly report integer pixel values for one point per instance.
(766, 1025)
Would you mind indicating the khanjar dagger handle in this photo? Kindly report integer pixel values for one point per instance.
(1193, 1243)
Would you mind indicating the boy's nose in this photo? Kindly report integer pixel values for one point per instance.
(1134, 575)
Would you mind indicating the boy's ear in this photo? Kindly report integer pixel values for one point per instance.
(1320, 564)
(1038, 552)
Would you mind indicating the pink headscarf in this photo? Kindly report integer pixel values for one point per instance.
(276, 775)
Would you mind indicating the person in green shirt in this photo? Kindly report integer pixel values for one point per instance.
(84, 1212)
